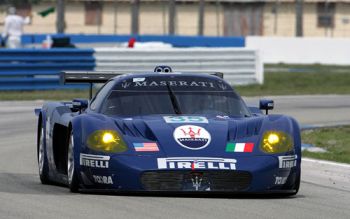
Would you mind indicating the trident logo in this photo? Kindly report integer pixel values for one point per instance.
(191, 133)
(222, 86)
(196, 182)
(125, 84)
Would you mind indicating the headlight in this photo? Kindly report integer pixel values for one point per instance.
(106, 141)
(276, 142)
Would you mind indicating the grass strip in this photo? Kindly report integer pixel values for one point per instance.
(291, 83)
(44, 95)
(335, 140)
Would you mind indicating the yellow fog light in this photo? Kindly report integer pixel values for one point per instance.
(108, 138)
(108, 141)
(273, 138)
(276, 142)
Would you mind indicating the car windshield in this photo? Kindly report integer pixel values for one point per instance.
(175, 96)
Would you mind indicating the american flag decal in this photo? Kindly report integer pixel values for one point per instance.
(151, 146)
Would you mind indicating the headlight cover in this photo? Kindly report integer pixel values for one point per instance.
(274, 142)
(108, 141)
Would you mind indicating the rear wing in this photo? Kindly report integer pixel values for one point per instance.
(92, 77)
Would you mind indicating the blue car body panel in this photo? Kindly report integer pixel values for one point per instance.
(173, 167)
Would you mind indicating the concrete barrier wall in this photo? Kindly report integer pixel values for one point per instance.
(239, 65)
(175, 41)
(39, 69)
(291, 50)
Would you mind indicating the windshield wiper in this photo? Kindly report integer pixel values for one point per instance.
(173, 99)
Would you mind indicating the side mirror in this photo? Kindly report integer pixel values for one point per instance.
(80, 104)
(266, 105)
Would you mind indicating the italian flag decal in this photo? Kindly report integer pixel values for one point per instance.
(240, 147)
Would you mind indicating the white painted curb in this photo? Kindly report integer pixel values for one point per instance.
(326, 162)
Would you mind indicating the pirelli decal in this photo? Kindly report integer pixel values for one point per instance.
(196, 163)
(286, 162)
(95, 161)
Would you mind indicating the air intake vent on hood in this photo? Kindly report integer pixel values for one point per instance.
(135, 128)
(244, 128)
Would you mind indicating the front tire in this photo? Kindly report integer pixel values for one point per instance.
(42, 159)
(72, 175)
(297, 184)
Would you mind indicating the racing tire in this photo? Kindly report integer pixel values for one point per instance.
(297, 184)
(72, 173)
(43, 164)
(294, 187)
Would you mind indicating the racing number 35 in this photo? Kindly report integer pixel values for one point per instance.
(185, 119)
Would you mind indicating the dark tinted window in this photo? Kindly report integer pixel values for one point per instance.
(171, 95)
(101, 95)
(325, 14)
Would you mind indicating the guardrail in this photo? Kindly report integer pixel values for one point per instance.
(38, 69)
(239, 65)
(29, 69)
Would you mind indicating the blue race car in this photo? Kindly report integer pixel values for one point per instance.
(166, 131)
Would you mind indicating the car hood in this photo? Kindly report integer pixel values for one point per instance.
(194, 135)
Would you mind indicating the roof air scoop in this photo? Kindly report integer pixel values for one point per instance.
(163, 69)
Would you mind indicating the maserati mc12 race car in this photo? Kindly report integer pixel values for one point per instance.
(166, 131)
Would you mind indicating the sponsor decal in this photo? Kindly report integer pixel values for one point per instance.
(192, 137)
(151, 146)
(96, 161)
(280, 180)
(142, 82)
(185, 119)
(103, 179)
(195, 163)
(239, 147)
(138, 79)
(285, 162)
(173, 84)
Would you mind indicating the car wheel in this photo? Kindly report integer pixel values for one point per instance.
(42, 159)
(297, 184)
(72, 175)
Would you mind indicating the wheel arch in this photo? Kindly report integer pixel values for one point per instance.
(40, 125)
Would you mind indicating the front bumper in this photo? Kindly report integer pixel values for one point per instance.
(254, 174)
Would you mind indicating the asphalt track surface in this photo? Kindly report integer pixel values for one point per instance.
(313, 110)
(324, 193)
